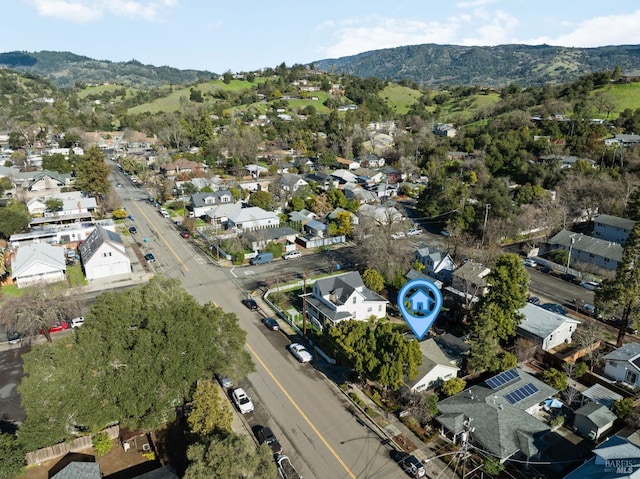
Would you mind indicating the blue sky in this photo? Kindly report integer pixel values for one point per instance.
(252, 34)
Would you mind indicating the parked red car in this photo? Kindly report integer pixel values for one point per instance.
(57, 327)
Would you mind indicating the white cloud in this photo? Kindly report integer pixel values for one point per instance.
(84, 11)
(598, 31)
(496, 29)
(374, 33)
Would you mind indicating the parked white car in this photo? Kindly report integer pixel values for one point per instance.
(76, 322)
(530, 263)
(243, 402)
(414, 232)
(292, 255)
(299, 352)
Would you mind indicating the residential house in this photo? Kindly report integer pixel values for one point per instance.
(259, 239)
(344, 176)
(74, 203)
(436, 367)
(292, 183)
(623, 365)
(37, 263)
(587, 249)
(103, 255)
(623, 140)
(467, 280)
(47, 181)
(353, 191)
(79, 470)
(546, 328)
(252, 218)
(367, 176)
(437, 264)
(343, 297)
(592, 420)
(256, 170)
(182, 167)
(325, 181)
(348, 164)
(218, 216)
(612, 228)
(445, 129)
(392, 174)
(615, 458)
(66, 233)
(315, 228)
(383, 191)
(372, 161)
(500, 413)
(200, 203)
(455, 349)
(36, 207)
(381, 214)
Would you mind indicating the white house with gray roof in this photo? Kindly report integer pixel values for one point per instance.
(545, 327)
(437, 264)
(38, 263)
(200, 203)
(612, 228)
(436, 367)
(588, 249)
(623, 364)
(499, 410)
(103, 255)
(253, 218)
(344, 297)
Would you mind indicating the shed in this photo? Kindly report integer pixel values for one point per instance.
(592, 420)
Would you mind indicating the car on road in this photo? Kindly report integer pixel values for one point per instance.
(398, 235)
(414, 232)
(271, 323)
(554, 308)
(299, 352)
(590, 285)
(242, 401)
(133, 230)
(224, 380)
(265, 435)
(13, 337)
(546, 270)
(118, 185)
(533, 300)
(251, 304)
(409, 463)
(292, 255)
(149, 257)
(57, 327)
(529, 262)
(76, 322)
(184, 234)
(571, 278)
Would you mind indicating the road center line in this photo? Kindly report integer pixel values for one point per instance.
(304, 416)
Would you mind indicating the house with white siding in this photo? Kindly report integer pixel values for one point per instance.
(103, 255)
(252, 218)
(546, 328)
(623, 364)
(37, 263)
(436, 367)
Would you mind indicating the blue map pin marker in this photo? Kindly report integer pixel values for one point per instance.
(420, 302)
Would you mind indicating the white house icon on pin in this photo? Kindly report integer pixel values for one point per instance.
(420, 302)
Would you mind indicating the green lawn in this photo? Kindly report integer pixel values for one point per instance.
(625, 95)
(75, 276)
(11, 291)
(400, 98)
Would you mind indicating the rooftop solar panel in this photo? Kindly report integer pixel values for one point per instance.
(502, 378)
(521, 393)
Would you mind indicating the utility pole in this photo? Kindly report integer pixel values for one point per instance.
(486, 215)
(465, 444)
(304, 306)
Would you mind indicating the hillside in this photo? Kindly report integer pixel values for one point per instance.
(438, 65)
(65, 69)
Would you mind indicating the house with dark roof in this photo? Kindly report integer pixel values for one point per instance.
(258, 239)
(343, 297)
(436, 367)
(103, 255)
(291, 182)
(48, 181)
(437, 264)
(593, 419)
(599, 394)
(468, 280)
(615, 458)
(612, 228)
(588, 249)
(546, 328)
(200, 203)
(455, 349)
(36, 263)
(623, 364)
(79, 470)
(497, 415)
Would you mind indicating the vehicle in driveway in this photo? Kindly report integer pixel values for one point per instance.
(299, 352)
(251, 304)
(13, 337)
(414, 232)
(265, 435)
(242, 401)
(57, 327)
(398, 235)
(76, 322)
(271, 323)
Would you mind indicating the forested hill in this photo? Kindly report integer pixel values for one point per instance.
(64, 69)
(439, 65)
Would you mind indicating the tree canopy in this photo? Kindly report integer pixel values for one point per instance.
(137, 357)
(92, 173)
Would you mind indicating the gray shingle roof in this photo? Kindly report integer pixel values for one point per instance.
(588, 244)
(598, 414)
(79, 470)
(28, 254)
(615, 221)
(624, 353)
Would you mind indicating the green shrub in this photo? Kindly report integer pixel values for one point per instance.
(356, 399)
(102, 444)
